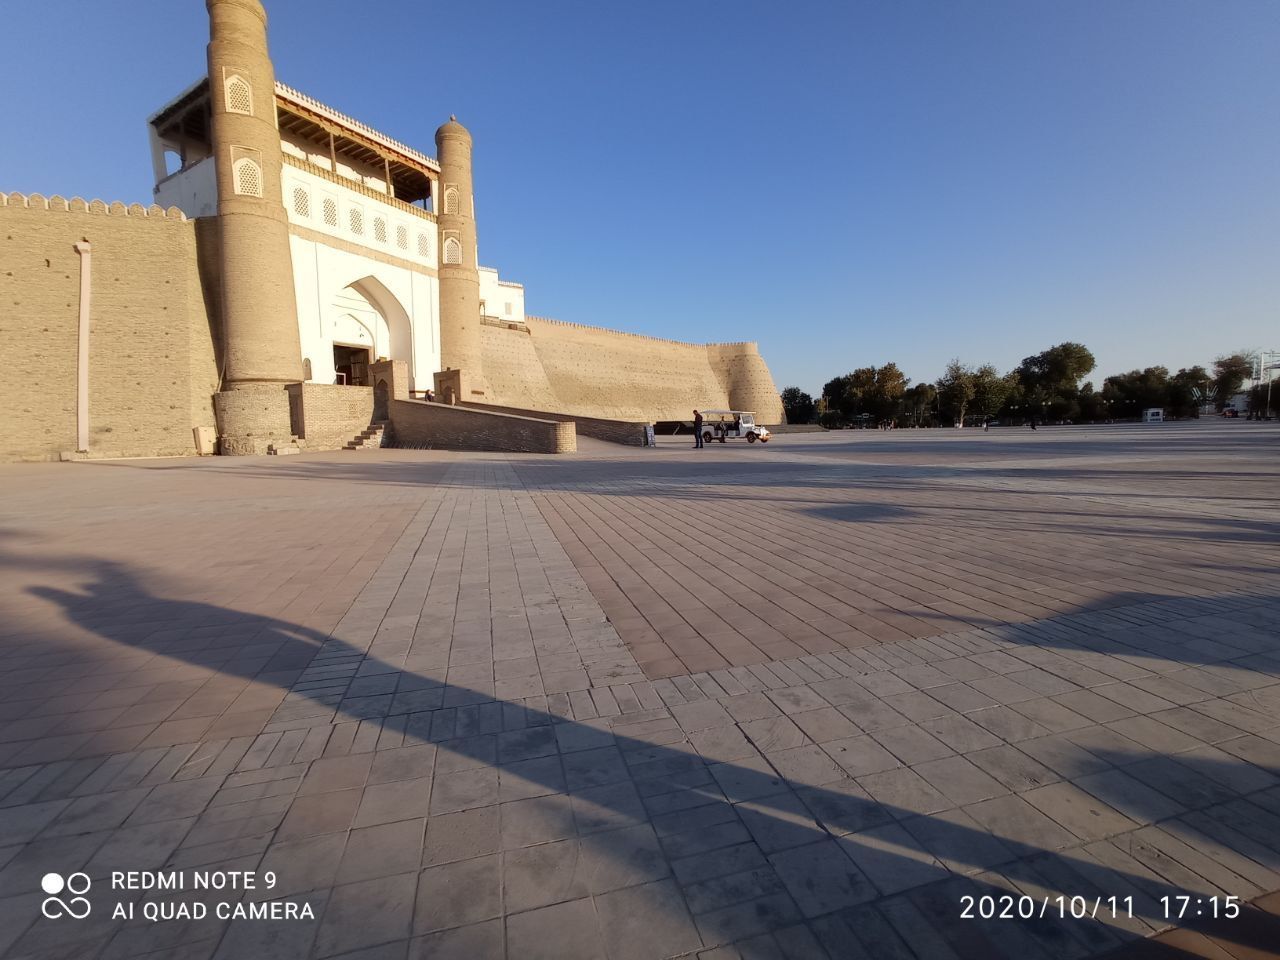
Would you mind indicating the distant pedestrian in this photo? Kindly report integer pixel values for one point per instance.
(697, 430)
(986, 426)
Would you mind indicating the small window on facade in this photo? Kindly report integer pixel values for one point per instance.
(452, 251)
(451, 200)
(424, 245)
(508, 308)
(306, 368)
(330, 212)
(301, 202)
(239, 95)
(379, 229)
(402, 237)
(248, 178)
(355, 217)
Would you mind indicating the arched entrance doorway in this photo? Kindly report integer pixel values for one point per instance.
(368, 324)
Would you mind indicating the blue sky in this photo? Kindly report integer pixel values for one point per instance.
(847, 183)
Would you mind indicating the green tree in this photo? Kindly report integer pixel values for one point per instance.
(1229, 374)
(1091, 404)
(919, 403)
(865, 393)
(1051, 381)
(886, 397)
(797, 405)
(956, 390)
(1128, 394)
(834, 401)
(1186, 387)
(1058, 370)
(989, 390)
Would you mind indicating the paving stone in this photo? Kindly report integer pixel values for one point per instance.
(747, 779)
(779, 821)
(825, 724)
(462, 790)
(461, 943)
(607, 807)
(396, 800)
(366, 913)
(592, 768)
(462, 892)
(904, 792)
(1014, 820)
(701, 715)
(383, 850)
(1131, 797)
(536, 820)
(774, 733)
(646, 921)
(548, 873)
(805, 766)
(796, 699)
(744, 919)
(821, 878)
(892, 858)
(1084, 815)
(959, 780)
(565, 931)
(622, 858)
(318, 814)
(861, 755)
(911, 745)
(751, 706)
(462, 836)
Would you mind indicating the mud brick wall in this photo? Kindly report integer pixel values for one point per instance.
(152, 367)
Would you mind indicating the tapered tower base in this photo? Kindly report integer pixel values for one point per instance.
(253, 418)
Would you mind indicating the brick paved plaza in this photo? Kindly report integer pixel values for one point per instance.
(795, 700)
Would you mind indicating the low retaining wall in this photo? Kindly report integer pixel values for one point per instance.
(418, 424)
(630, 432)
(327, 415)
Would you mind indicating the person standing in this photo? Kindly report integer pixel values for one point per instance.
(697, 430)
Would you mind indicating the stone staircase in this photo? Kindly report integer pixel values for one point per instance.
(370, 439)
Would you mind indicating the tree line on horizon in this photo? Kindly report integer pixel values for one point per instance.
(1048, 387)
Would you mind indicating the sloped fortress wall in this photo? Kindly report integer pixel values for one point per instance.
(747, 379)
(152, 369)
(594, 372)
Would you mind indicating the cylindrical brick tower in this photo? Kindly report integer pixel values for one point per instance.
(459, 276)
(261, 347)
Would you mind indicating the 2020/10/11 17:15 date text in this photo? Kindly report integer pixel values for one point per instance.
(1010, 907)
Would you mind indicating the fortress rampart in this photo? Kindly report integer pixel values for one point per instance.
(152, 368)
(595, 372)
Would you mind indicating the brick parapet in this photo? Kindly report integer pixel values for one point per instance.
(420, 425)
(629, 432)
(328, 416)
(58, 204)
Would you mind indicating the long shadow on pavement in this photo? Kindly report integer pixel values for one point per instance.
(684, 850)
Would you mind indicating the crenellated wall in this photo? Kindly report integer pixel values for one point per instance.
(152, 365)
(590, 371)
